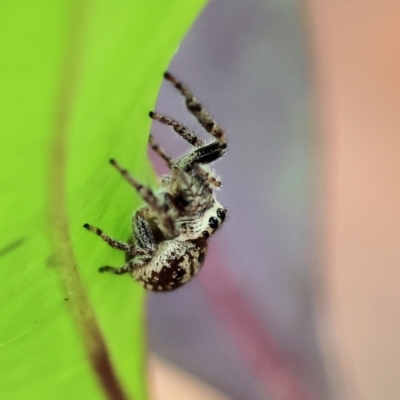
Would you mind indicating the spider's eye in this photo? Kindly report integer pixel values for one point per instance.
(213, 223)
(206, 234)
(221, 214)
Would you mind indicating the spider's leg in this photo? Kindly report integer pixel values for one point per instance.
(116, 244)
(145, 192)
(128, 267)
(179, 128)
(206, 153)
(160, 151)
(142, 231)
(143, 248)
(117, 271)
(159, 206)
(195, 107)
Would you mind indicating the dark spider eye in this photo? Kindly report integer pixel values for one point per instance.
(206, 234)
(221, 214)
(213, 223)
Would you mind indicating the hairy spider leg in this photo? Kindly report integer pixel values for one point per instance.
(206, 153)
(195, 107)
(160, 207)
(144, 246)
(179, 128)
(116, 244)
(142, 231)
(160, 151)
(128, 267)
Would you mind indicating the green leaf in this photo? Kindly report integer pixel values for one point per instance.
(77, 80)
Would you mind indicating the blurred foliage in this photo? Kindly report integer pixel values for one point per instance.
(77, 80)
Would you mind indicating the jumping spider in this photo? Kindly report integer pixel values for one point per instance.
(170, 232)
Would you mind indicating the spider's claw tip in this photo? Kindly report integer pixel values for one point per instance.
(112, 161)
(169, 77)
(151, 113)
(86, 226)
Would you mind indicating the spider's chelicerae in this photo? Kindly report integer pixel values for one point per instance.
(171, 230)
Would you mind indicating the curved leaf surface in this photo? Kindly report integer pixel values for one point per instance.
(77, 80)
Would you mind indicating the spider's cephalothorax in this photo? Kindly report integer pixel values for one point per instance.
(170, 231)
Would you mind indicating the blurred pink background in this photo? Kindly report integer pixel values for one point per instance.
(299, 297)
(355, 48)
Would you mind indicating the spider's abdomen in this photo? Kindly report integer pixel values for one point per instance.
(173, 264)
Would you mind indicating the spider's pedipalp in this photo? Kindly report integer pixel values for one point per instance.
(208, 176)
(202, 155)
